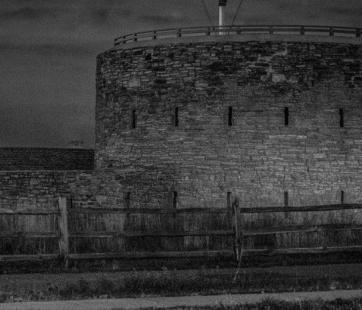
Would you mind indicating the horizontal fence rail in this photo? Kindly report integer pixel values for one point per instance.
(237, 30)
(149, 210)
(70, 233)
(316, 208)
(298, 230)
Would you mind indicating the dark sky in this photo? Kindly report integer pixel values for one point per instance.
(48, 50)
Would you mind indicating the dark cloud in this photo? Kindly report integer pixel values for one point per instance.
(350, 11)
(100, 16)
(161, 19)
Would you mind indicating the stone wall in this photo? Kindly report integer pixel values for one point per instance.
(36, 177)
(41, 189)
(258, 158)
(46, 159)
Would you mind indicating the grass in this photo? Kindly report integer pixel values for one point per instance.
(175, 283)
(271, 304)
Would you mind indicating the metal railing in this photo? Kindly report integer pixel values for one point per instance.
(238, 30)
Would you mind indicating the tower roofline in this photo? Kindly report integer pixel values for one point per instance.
(228, 32)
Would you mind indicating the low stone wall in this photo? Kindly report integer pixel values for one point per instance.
(41, 189)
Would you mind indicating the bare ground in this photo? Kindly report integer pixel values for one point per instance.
(63, 286)
(179, 302)
(39, 281)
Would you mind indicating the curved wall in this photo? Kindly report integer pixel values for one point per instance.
(258, 158)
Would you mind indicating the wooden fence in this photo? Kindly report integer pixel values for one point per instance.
(290, 230)
(114, 233)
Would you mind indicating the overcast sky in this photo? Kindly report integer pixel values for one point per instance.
(48, 50)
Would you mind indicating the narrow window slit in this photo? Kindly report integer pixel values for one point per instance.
(286, 199)
(127, 199)
(134, 119)
(228, 200)
(341, 118)
(174, 199)
(230, 116)
(176, 117)
(342, 197)
(286, 204)
(286, 116)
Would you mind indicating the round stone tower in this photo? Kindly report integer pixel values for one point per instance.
(271, 115)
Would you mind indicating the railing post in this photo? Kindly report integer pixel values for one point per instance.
(63, 229)
(155, 35)
(302, 30)
(208, 32)
(135, 37)
(124, 40)
(331, 31)
(358, 33)
(179, 33)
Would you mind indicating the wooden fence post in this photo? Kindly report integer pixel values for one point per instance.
(63, 229)
(236, 228)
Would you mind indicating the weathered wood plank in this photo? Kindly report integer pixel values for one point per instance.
(177, 254)
(311, 250)
(109, 234)
(167, 254)
(33, 234)
(28, 258)
(299, 228)
(237, 231)
(63, 228)
(88, 210)
(27, 212)
(317, 208)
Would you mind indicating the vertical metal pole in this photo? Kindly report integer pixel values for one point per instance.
(222, 4)
(221, 15)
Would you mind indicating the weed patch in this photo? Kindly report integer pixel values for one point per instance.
(175, 283)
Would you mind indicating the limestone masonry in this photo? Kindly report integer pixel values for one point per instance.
(180, 124)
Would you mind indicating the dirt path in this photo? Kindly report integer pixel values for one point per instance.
(172, 302)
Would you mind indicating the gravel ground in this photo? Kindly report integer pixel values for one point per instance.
(173, 302)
